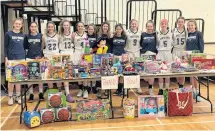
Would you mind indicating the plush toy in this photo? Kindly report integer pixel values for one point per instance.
(87, 48)
(102, 48)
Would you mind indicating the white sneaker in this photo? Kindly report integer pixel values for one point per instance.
(150, 91)
(85, 95)
(10, 100)
(139, 91)
(18, 99)
(99, 93)
(80, 93)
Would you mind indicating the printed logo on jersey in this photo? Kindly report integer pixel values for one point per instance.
(18, 38)
(191, 38)
(33, 41)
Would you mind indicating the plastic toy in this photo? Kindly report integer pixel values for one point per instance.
(47, 115)
(87, 48)
(19, 71)
(56, 72)
(63, 114)
(31, 119)
(102, 48)
(118, 66)
(34, 70)
(69, 70)
(95, 72)
(129, 70)
(106, 65)
(57, 60)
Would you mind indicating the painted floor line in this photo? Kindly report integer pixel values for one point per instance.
(159, 120)
(8, 116)
(2, 98)
(147, 125)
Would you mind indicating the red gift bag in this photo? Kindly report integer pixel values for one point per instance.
(180, 104)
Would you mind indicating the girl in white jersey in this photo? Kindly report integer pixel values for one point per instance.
(50, 42)
(179, 44)
(79, 38)
(164, 47)
(133, 39)
(65, 47)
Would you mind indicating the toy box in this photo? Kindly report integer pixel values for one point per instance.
(69, 70)
(34, 70)
(93, 109)
(204, 63)
(97, 59)
(152, 67)
(31, 119)
(151, 106)
(88, 58)
(47, 115)
(65, 58)
(44, 68)
(56, 60)
(185, 57)
(56, 72)
(196, 56)
(63, 114)
(17, 71)
(55, 99)
(95, 72)
(106, 66)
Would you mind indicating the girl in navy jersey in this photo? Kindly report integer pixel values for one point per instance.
(118, 44)
(148, 44)
(65, 47)
(34, 46)
(92, 37)
(79, 38)
(179, 44)
(164, 47)
(194, 42)
(14, 50)
(50, 41)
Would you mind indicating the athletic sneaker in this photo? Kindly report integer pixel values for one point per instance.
(69, 99)
(196, 93)
(41, 98)
(160, 92)
(18, 99)
(80, 93)
(10, 100)
(139, 91)
(85, 94)
(94, 90)
(99, 94)
(150, 91)
(31, 98)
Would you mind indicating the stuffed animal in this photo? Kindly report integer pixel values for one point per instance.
(102, 48)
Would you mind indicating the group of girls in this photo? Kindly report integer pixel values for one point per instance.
(166, 44)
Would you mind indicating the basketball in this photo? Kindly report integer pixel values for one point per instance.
(63, 115)
(47, 117)
(55, 101)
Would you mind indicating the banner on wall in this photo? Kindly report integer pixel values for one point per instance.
(132, 81)
(109, 82)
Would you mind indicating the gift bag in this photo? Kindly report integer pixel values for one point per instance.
(180, 104)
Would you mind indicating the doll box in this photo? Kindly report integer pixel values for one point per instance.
(151, 106)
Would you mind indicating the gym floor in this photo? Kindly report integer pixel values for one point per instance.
(203, 121)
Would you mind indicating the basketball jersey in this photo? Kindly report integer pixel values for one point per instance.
(66, 43)
(52, 44)
(179, 39)
(133, 41)
(79, 41)
(164, 41)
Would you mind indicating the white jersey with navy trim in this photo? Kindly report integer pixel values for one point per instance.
(51, 44)
(164, 41)
(66, 43)
(179, 39)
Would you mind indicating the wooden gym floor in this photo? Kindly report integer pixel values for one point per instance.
(205, 121)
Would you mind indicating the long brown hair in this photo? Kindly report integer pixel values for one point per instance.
(61, 31)
(123, 31)
(101, 30)
(19, 19)
(30, 26)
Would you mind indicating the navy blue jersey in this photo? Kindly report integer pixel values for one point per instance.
(108, 42)
(118, 45)
(34, 45)
(195, 41)
(148, 42)
(92, 39)
(14, 45)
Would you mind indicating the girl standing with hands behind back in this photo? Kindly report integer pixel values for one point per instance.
(14, 50)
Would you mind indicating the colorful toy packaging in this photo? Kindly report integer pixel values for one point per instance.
(47, 115)
(107, 63)
(31, 119)
(95, 72)
(196, 56)
(17, 71)
(56, 60)
(129, 108)
(152, 67)
(204, 63)
(139, 64)
(151, 106)
(69, 70)
(34, 70)
(93, 109)
(63, 114)
(44, 68)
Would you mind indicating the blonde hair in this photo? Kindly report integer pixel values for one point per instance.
(101, 29)
(132, 20)
(61, 31)
(94, 27)
(19, 19)
(194, 21)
